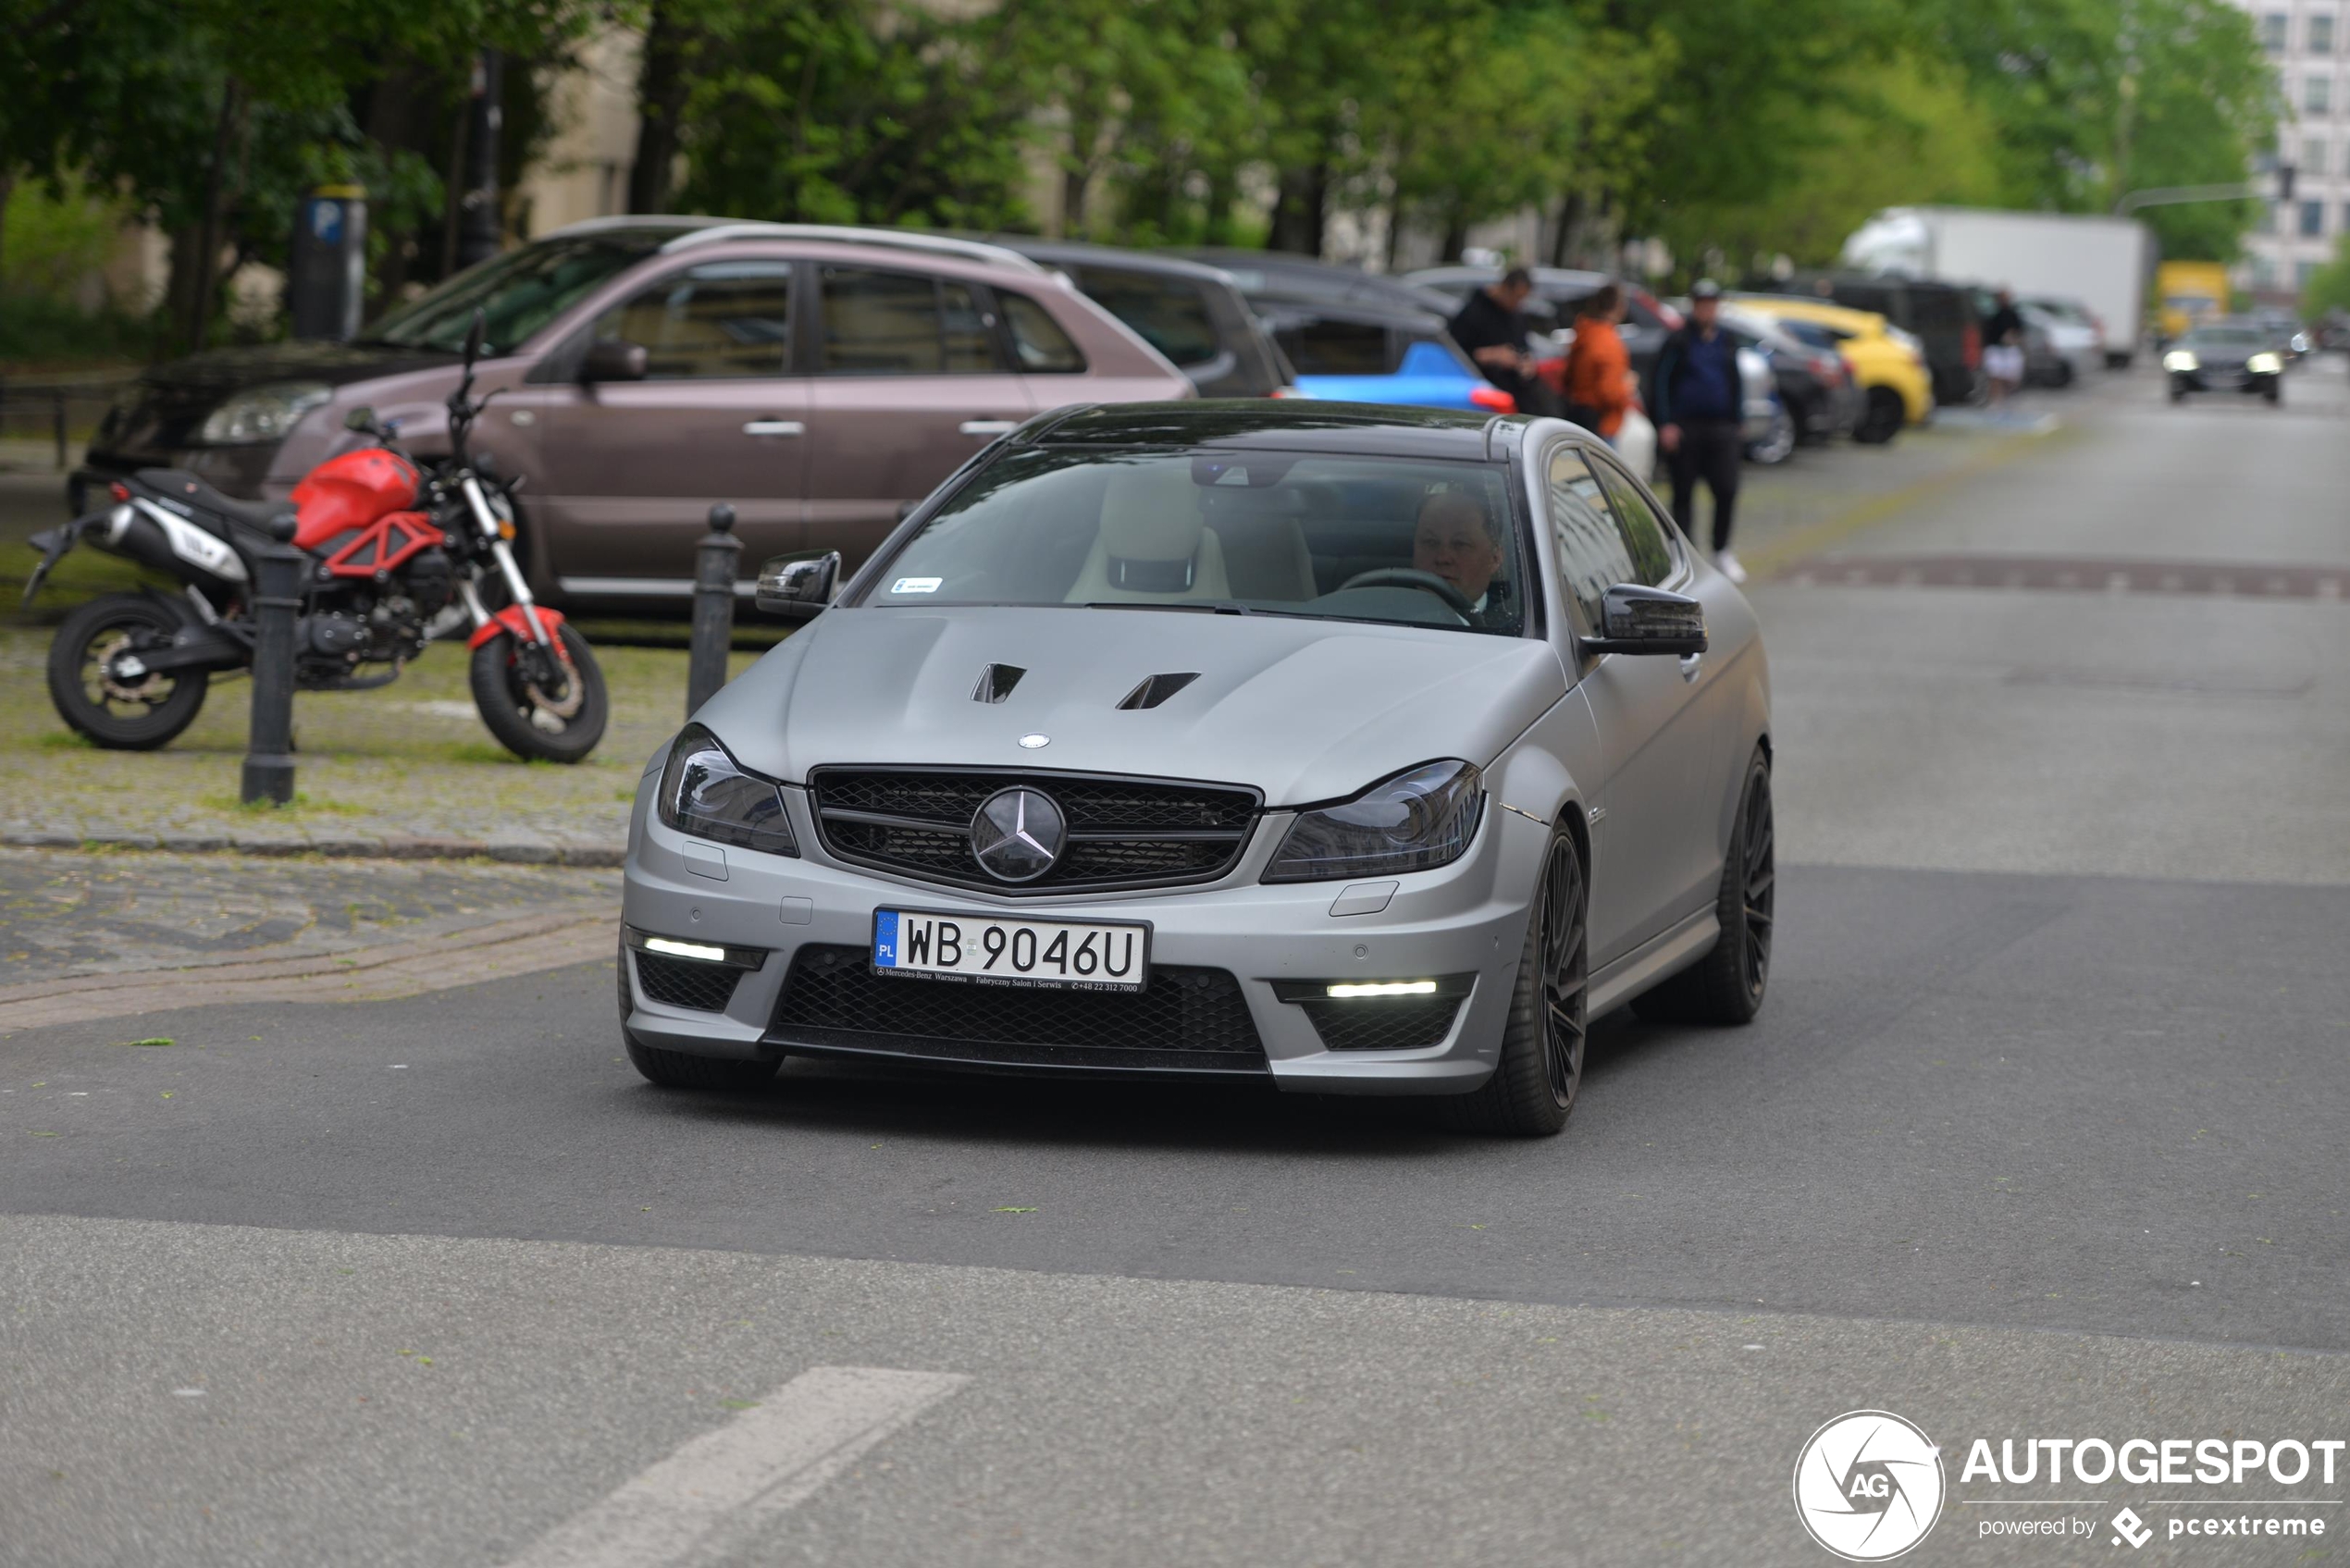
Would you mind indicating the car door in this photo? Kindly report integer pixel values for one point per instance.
(1708, 722)
(1644, 867)
(908, 380)
(628, 471)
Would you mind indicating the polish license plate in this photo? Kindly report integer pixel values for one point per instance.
(981, 949)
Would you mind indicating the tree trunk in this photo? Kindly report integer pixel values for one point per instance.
(1570, 219)
(7, 188)
(1455, 233)
(663, 82)
(1301, 211)
(1073, 183)
(388, 121)
(195, 270)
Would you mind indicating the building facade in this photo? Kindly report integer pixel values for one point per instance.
(2308, 44)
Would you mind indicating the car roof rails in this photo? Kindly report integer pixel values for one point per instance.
(703, 230)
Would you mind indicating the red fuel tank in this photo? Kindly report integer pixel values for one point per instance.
(351, 491)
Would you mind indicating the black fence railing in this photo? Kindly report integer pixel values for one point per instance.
(59, 410)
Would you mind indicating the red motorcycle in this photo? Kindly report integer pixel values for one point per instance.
(401, 554)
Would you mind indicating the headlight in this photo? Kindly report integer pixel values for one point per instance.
(2181, 361)
(2264, 365)
(704, 792)
(1414, 822)
(262, 414)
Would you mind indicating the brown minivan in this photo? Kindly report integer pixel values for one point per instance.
(820, 380)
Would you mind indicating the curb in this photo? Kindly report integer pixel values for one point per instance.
(390, 846)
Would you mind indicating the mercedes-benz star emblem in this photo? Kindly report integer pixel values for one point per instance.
(1018, 833)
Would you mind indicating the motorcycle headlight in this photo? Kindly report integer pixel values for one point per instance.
(1418, 820)
(2264, 365)
(262, 414)
(706, 792)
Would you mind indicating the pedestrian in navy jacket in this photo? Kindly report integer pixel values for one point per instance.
(1697, 402)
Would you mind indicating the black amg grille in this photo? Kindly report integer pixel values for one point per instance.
(1196, 1014)
(687, 983)
(1398, 1024)
(1123, 832)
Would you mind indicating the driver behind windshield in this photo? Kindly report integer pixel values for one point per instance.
(1457, 540)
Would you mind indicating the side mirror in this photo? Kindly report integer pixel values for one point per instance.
(1636, 618)
(611, 360)
(798, 586)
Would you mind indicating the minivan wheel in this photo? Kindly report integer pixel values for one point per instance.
(1534, 1085)
(1726, 985)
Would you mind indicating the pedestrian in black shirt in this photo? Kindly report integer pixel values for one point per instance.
(1491, 328)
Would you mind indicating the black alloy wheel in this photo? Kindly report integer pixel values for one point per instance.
(1883, 418)
(1726, 986)
(91, 689)
(544, 705)
(1534, 1086)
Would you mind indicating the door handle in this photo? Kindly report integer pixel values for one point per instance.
(775, 427)
(1692, 666)
(988, 427)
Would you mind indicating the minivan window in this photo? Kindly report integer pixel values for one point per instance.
(1167, 314)
(1038, 342)
(901, 323)
(727, 319)
(517, 293)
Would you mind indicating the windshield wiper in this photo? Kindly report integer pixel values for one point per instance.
(1204, 606)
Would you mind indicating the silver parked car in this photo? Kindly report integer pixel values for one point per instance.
(1371, 750)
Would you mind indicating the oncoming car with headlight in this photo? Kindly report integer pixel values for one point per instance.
(2225, 356)
(1367, 751)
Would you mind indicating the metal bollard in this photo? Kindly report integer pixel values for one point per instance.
(713, 608)
(269, 764)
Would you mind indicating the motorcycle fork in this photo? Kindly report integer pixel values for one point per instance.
(500, 551)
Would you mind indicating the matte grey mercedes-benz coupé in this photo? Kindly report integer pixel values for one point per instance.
(1373, 750)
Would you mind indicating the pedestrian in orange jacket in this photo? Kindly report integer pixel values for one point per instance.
(1599, 369)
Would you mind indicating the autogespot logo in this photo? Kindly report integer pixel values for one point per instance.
(1868, 1485)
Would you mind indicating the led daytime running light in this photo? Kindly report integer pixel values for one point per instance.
(1382, 988)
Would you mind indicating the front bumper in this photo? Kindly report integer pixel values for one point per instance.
(1465, 921)
(2223, 381)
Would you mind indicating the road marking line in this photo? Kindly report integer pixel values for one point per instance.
(723, 1486)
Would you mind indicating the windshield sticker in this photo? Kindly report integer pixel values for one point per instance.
(916, 585)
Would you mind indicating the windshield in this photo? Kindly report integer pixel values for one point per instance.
(2223, 338)
(1404, 542)
(518, 292)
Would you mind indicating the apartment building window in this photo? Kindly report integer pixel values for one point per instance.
(2313, 219)
(2317, 94)
(2313, 156)
(2322, 36)
(2272, 28)
(2345, 217)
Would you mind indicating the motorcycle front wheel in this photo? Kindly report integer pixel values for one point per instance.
(90, 690)
(542, 713)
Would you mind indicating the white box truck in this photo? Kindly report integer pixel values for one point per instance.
(2102, 262)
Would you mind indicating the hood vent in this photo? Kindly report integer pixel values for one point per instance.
(1158, 689)
(995, 683)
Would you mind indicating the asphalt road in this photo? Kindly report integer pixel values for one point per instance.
(2040, 1135)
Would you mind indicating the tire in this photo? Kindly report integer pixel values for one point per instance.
(1726, 986)
(2275, 395)
(676, 1070)
(530, 722)
(1883, 418)
(1533, 1087)
(1779, 444)
(2178, 393)
(120, 719)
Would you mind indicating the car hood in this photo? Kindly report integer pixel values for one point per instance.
(215, 375)
(1305, 711)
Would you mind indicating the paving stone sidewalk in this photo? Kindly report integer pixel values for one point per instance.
(67, 914)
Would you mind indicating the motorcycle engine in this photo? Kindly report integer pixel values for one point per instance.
(336, 634)
(431, 582)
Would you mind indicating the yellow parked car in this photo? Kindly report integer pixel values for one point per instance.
(1887, 364)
